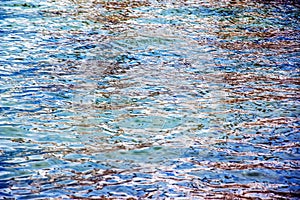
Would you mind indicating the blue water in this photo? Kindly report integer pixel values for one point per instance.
(149, 99)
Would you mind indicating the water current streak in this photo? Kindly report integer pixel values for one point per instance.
(149, 99)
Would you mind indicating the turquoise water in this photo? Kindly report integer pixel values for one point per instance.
(149, 99)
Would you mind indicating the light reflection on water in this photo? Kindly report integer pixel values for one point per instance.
(149, 99)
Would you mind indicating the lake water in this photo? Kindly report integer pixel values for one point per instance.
(149, 99)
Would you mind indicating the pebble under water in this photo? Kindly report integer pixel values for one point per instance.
(154, 99)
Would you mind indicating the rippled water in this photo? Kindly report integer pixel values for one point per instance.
(149, 99)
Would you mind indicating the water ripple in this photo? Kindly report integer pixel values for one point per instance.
(149, 99)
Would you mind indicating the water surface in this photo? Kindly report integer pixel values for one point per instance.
(149, 99)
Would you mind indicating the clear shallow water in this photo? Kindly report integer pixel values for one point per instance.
(149, 99)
